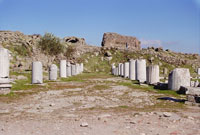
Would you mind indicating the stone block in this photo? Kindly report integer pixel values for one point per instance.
(37, 74)
(141, 70)
(53, 72)
(63, 66)
(132, 69)
(179, 77)
(126, 70)
(153, 74)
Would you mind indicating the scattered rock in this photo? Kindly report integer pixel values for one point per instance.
(167, 114)
(84, 124)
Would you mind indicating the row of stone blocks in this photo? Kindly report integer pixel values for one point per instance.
(137, 70)
(66, 70)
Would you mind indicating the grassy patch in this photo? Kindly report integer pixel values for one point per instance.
(134, 85)
(101, 87)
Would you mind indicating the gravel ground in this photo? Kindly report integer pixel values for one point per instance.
(97, 106)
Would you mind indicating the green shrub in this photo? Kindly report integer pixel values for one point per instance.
(50, 44)
(23, 50)
(70, 50)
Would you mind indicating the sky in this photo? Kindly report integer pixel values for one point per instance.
(171, 24)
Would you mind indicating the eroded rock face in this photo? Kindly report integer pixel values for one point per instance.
(114, 40)
(74, 41)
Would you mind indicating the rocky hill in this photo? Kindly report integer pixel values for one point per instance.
(24, 49)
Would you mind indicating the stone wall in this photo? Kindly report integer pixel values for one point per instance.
(114, 40)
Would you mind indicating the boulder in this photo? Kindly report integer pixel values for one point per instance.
(179, 77)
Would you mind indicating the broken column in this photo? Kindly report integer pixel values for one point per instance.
(132, 69)
(68, 68)
(141, 70)
(113, 69)
(179, 77)
(122, 70)
(153, 74)
(4, 71)
(37, 75)
(77, 69)
(119, 69)
(63, 64)
(196, 83)
(73, 69)
(198, 71)
(82, 67)
(53, 72)
(126, 70)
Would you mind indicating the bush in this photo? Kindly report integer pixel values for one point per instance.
(50, 44)
(23, 50)
(70, 51)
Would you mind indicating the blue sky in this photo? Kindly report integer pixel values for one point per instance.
(173, 24)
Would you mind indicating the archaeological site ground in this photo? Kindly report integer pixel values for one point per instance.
(53, 86)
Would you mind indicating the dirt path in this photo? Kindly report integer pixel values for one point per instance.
(100, 105)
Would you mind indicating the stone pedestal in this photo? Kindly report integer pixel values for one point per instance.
(196, 83)
(126, 70)
(153, 74)
(77, 69)
(5, 84)
(179, 77)
(63, 66)
(69, 69)
(198, 71)
(113, 69)
(37, 74)
(132, 69)
(4, 63)
(119, 69)
(73, 69)
(53, 72)
(122, 70)
(141, 70)
(82, 67)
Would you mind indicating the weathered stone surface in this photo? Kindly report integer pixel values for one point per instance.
(53, 72)
(82, 67)
(153, 74)
(193, 94)
(63, 66)
(74, 41)
(116, 71)
(126, 70)
(4, 63)
(69, 69)
(192, 83)
(113, 69)
(114, 40)
(196, 83)
(141, 70)
(179, 77)
(77, 68)
(192, 91)
(37, 74)
(198, 71)
(73, 69)
(132, 69)
(122, 70)
(119, 69)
